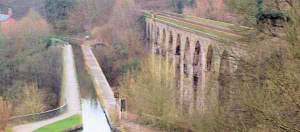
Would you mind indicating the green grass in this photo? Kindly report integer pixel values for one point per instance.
(9, 129)
(202, 29)
(61, 125)
(147, 14)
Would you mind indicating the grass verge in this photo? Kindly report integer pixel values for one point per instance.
(9, 129)
(61, 125)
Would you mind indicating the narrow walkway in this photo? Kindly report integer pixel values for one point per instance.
(72, 94)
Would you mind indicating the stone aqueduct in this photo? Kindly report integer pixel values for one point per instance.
(194, 56)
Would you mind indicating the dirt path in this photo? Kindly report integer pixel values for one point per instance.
(72, 95)
(131, 126)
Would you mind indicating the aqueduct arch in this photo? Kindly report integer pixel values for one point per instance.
(196, 70)
(157, 37)
(164, 43)
(148, 32)
(209, 58)
(224, 79)
(178, 45)
(193, 56)
(178, 67)
(170, 47)
(151, 32)
(186, 58)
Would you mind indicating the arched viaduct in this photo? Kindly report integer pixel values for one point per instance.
(195, 56)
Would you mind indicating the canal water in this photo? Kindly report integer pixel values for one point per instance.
(93, 117)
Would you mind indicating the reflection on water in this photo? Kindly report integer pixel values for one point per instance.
(94, 119)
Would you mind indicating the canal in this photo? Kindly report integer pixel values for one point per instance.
(93, 116)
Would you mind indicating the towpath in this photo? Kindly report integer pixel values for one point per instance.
(72, 95)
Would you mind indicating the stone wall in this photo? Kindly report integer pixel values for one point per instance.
(194, 56)
(39, 116)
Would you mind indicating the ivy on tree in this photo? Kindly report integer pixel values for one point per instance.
(178, 5)
(58, 10)
(263, 16)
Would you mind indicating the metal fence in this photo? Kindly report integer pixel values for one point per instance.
(39, 116)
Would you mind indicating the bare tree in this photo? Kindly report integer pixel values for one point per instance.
(148, 88)
(32, 102)
(265, 90)
(5, 114)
